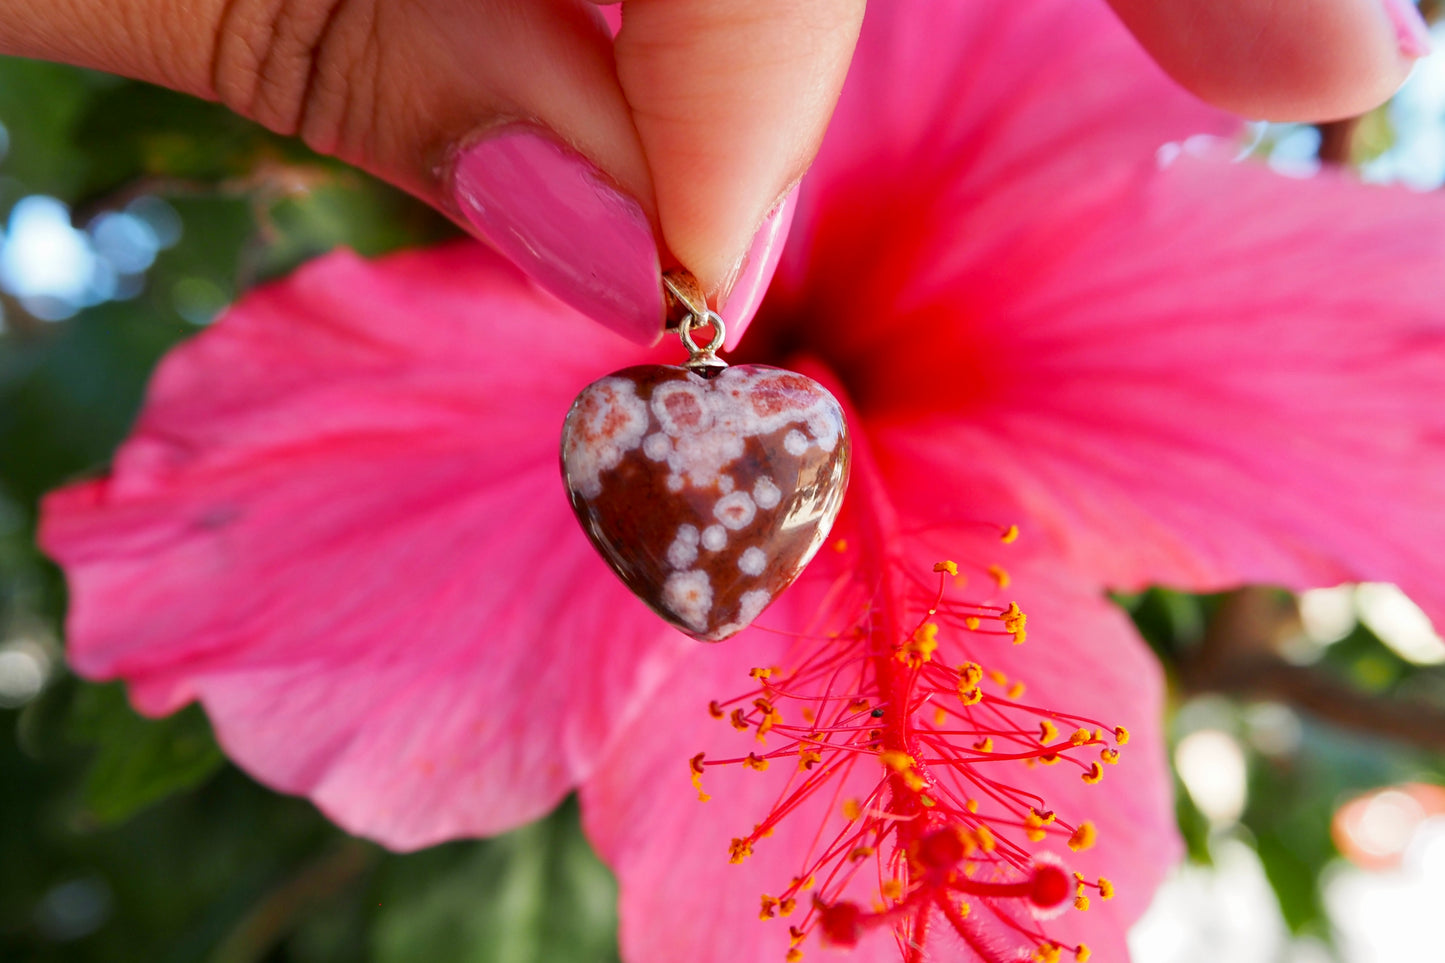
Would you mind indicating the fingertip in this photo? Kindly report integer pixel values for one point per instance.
(730, 100)
(1307, 61)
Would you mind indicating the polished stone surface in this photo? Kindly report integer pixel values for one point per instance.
(707, 492)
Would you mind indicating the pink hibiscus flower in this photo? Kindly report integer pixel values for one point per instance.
(339, 523)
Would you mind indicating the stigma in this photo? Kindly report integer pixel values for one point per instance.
(908, 733)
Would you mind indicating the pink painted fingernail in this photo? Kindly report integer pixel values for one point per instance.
(739, 300)
(1411, 31)
(566, 224)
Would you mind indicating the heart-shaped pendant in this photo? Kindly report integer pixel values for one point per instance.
(706, 488)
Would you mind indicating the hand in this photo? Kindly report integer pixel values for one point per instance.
(581, 158)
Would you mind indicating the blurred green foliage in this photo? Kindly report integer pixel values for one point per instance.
(123, 838)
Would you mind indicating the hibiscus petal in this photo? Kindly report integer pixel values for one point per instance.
(340, 525)
(1011, 108)
(682, 899)
(1227, 378)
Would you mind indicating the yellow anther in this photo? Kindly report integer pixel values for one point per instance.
(928, 803)
(1081, 902)
(858, 705)
(794, 955)
(972, 623)
(966, 839)
(1084, 837)
(946, 566)
(809, 716)
(1111, 756)
(695, 764)
(1081, 737)
(755, 761)
(1010, 535)
(840, 545)
(739, 721)
(896, 759)
(1082, 953)
(861, 853)
(1047, 732)
(964, 909)
(1093, 774)
(940, 716)
(808, 758)
(902, 764)
(1121, 736)
(986, 841)
(891, 889)
(1052, 759)
(739, 850)
(852, 810)
(998, 677)
(1000, 576)
(985, 744)
(971, 805)
(760, 672)
(1014, 621)
(771, 717)
(715, 709)
(1016, 690)
(1034, 827)
(1106, 888)
(969, 675)
(796, 936)
(770, 908)
(1047, 953)
(920, 647)
(970, 697)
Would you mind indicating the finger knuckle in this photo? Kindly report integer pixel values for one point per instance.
(300, 67)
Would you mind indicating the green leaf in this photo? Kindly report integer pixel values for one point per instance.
(138, 761)
(536, 894)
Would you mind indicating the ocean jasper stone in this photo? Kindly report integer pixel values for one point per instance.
(707, 493)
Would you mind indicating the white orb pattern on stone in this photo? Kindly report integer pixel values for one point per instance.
(657, 446)
(735, 510)
(704, 424)
(714, 538)
(683, 550)
(766, 494)
(612, 422)
(752, 561)
(689, 596)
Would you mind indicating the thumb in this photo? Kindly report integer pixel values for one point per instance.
(730, 99)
